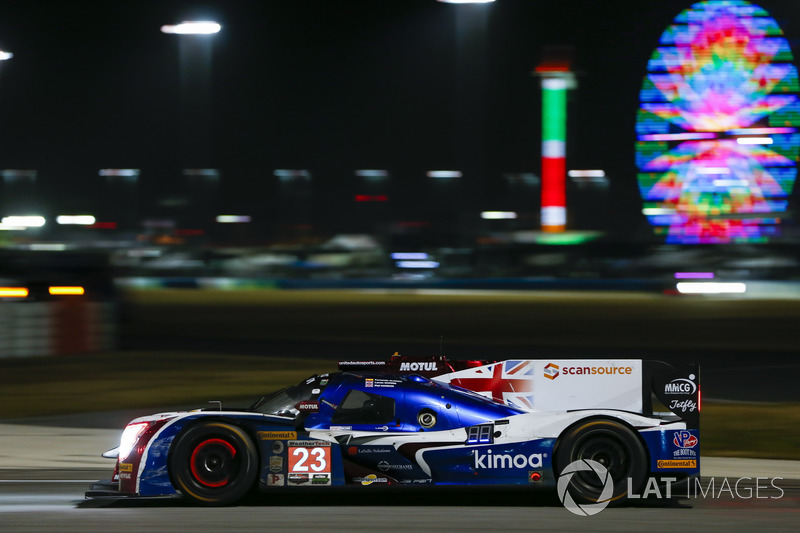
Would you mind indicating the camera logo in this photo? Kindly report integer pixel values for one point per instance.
(587, 509)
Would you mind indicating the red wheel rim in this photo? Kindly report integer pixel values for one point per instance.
(212, 462)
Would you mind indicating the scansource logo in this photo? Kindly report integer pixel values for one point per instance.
(551, 371)
(585, 465)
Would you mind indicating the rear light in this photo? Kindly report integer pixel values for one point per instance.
(699, 399)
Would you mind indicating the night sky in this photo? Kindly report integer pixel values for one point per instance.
(330, 86)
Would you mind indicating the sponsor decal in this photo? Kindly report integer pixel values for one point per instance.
(277, 447)
(676, 463)
(126, 475)
(298, 479)
(276, 480)
(362, 363)
(323, 382)
(504, 460)
(310, 457)
(307, 406)
(277, 435)
(587, 370)
(534, 476)
(315, 391)
(126, 467)
(275, 463)
(341, 428)
(384, 466)
(367, 450)
(416, 367)
(382, 428)
(681, 386)
(684, 439)
(370, 479)
(381, 383)
(682, 405)
(320, 479)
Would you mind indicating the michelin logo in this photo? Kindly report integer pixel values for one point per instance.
(504, 460)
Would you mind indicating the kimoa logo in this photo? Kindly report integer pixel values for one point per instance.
(681, 386)
(406, 367)
(504, 460)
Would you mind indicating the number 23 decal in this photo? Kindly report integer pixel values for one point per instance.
(306, 459)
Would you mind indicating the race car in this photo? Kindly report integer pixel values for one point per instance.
(428, 421)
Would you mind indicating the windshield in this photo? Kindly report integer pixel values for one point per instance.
(283, 402)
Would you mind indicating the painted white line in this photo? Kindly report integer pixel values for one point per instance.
(48, 481)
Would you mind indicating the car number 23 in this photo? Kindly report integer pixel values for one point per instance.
(309, 459)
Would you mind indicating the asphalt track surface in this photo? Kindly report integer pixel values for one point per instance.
(53, 501)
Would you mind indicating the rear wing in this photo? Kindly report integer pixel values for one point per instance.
(651, 388)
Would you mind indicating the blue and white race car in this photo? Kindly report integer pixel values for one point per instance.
(427, 421)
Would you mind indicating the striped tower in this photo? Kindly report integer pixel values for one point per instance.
(556, 80)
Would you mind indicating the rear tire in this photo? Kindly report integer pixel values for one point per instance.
(213, 463)
(612, 444)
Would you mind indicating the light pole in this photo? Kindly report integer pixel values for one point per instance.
(194, 48)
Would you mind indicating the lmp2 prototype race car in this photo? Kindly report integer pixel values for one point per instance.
(427, 421)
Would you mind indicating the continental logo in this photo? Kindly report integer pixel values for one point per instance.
(277, 435)
(552, 371)
(126, 467)
(677, 463)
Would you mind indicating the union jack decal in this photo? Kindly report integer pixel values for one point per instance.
(508, 382)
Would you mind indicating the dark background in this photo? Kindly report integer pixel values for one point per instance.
(328, 86)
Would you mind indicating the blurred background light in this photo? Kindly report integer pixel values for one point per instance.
(412, 256)
(5, 56)
(498, 215)
(372, 173)
(33, 221)
(59, 290)
(13, 292)
(233, 219)
(212, 173)
(199, 27)
(444, 174)
(711, 288)
(694, 275)
(417, 264)
(47, 247)
(288, 174)
(586, 173)
(77, 220)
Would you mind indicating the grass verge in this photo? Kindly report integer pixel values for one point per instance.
(46, 386)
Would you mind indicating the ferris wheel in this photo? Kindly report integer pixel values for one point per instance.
(717, 128)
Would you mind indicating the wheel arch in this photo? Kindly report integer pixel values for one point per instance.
(602, 417)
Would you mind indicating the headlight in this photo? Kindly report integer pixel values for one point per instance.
(129, 438)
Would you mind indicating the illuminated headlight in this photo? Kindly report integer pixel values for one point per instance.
(130, 436)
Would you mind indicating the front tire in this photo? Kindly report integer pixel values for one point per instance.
(214, 463)
(611, 444)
